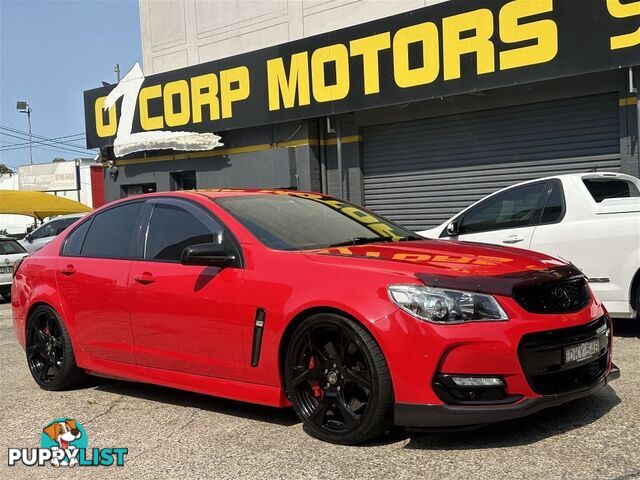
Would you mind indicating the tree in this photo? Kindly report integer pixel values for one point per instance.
(58, 159)
(5, 169)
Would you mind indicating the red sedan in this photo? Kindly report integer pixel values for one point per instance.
(286, 298)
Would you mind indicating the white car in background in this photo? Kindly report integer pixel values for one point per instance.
(48, 231)
(590, 219)
(10, 251)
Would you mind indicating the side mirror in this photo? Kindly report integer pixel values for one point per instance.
(208, 255)
(28, 238)
(453, 229)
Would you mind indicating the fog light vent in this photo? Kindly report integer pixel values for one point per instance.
(477, 381)
(472, 390)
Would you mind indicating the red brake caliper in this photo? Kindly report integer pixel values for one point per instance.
(315, 385)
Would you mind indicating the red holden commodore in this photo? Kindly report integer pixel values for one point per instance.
(286, 298)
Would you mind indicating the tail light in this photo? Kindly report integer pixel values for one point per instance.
(16, 266)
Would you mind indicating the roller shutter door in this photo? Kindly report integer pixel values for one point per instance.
(420, 173)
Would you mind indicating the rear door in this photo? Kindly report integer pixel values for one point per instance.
(508, 218)
(185, 317)
(92, 273)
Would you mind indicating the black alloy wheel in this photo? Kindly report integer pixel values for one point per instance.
(338, 380)
(49, 352)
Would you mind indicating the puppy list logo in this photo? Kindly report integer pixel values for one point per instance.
(64, 442)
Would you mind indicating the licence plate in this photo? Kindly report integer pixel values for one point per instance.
(583, 351)
(6, 269)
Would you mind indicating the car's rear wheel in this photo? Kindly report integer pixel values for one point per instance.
(49, 351)
(338, 380)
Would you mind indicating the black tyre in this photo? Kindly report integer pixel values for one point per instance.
(338, 380)
(6, 294)
(49, 352)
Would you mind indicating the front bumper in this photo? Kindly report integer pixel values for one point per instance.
(435, 416)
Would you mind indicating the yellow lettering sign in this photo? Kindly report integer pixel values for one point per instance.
(480, 22)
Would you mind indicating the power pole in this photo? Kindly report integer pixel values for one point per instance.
(23, 107)
(116, 69)
(30, 145)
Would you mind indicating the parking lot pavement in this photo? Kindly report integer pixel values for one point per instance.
(174, 434)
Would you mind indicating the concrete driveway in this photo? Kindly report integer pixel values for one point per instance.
(174, 434)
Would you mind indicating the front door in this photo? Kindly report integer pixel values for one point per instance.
(184, 317)
(508, 218)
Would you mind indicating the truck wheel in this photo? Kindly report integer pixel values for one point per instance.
(338, 380)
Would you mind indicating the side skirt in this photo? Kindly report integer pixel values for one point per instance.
(219, 387)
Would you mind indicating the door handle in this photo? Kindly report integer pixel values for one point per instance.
(513, 239)
(68, 270)
(145, 279)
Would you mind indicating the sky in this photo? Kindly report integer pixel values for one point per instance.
(50, 52)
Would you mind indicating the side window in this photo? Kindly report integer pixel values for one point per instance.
(172, 229)
(73, 243)
(111, 231)
(511, 209)
(49, 229)
(63, 224)
(554, 208)
(603, 188)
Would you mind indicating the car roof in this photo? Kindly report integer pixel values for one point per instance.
(575, 175)
(69, 215)
(221, 192)
(233, 192)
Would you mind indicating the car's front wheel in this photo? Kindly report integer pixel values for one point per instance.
(49, 351)
(338, 380)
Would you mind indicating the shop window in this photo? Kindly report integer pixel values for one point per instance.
(137, 189)
(183, 180)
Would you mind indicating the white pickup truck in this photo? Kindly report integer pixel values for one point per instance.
(590, 219)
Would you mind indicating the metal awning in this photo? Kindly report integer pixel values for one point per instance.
(37, 204)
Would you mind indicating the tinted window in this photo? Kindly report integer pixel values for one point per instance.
(603, 188)
(172, 228)
(297, 222)
(511, 209)
(73, 243)
(9, 247)
(64, 223)
(49, 229)
(554, 208)
(110, 233)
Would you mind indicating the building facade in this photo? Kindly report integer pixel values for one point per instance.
(417, 159)
(17, 225)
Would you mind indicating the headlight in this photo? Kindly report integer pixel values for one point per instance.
(445, 306)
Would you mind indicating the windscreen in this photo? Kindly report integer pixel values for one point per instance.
(10, 247)
(296, 222)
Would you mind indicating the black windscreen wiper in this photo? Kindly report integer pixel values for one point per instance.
(362, 241)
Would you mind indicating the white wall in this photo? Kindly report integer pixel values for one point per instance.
(17, 224)
(12, 223)
(180, 33)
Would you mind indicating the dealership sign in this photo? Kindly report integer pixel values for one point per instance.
(445, 49)
(49, 177)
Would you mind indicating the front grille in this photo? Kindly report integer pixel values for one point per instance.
(555, 297)
(542, 358)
